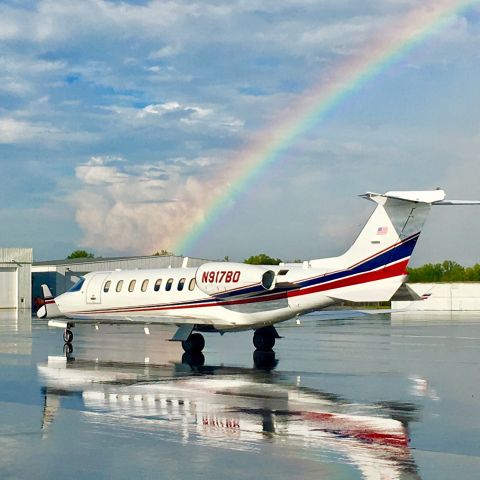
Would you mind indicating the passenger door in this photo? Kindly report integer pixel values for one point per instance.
(94, 287)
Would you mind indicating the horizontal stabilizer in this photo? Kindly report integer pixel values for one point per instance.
(422, 196)
(457, 202)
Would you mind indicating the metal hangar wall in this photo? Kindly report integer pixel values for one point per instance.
(15, 278)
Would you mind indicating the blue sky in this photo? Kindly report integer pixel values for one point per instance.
(114, 117)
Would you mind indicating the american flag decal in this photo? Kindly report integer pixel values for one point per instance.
(382, 230)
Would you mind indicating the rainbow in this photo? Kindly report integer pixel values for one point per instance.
(313, 106)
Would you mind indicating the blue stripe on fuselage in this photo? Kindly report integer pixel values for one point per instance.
(396, 253)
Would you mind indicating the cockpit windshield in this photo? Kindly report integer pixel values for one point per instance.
(77, 286)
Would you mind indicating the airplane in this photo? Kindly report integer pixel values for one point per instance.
(227, 296)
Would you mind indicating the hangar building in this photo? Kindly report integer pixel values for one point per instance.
(15, 277)
(60, 275)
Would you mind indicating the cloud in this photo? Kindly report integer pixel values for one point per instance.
(166, 51)
(123, 207)
(176, 115)
(15, 131)
(178, 86)
(190, 114)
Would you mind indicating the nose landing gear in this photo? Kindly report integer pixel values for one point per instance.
(67, 336)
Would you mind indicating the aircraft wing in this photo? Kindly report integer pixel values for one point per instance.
(63, 321)
(184, 325)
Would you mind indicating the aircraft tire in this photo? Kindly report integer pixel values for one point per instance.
(67, 336)
(194, 343)
(263, 340)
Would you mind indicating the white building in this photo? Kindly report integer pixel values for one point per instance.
(15, 278)
(60, 275)
(443, 297)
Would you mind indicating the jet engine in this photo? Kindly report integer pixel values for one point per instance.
(227, 279)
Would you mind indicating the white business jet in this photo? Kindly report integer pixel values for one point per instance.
(226, 296)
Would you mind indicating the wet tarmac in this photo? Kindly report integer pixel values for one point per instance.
(372, 398)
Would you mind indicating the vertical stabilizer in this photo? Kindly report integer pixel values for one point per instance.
(391, 232)
(397, 220)
(375, 265)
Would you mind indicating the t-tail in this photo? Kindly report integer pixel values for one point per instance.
(375, 266)
(49, 309)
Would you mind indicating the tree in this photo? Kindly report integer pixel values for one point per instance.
(262, 259)
(80, 254)
(452, 271)
(447, 271)
(426, 273)
(472, 274)
(162, 253)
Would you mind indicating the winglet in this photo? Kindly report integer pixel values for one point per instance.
(49, 309)
(47, 294)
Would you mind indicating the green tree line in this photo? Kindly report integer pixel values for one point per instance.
(448, 271)
(264, 259)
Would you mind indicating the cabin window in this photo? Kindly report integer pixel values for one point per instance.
(191, 285)
(144, 285)
(168, 286)
(181, 283)
(119, 285)
(158, 284)
(106, 287)
(132, 285)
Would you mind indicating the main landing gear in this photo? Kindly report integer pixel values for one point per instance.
(264, 338)
(194, 343)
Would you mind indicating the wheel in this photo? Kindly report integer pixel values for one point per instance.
(194, 343)
(67, 336)
(263, 340)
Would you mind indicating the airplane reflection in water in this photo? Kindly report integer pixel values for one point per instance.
(233, 408)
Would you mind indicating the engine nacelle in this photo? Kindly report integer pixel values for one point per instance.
(226, 279)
